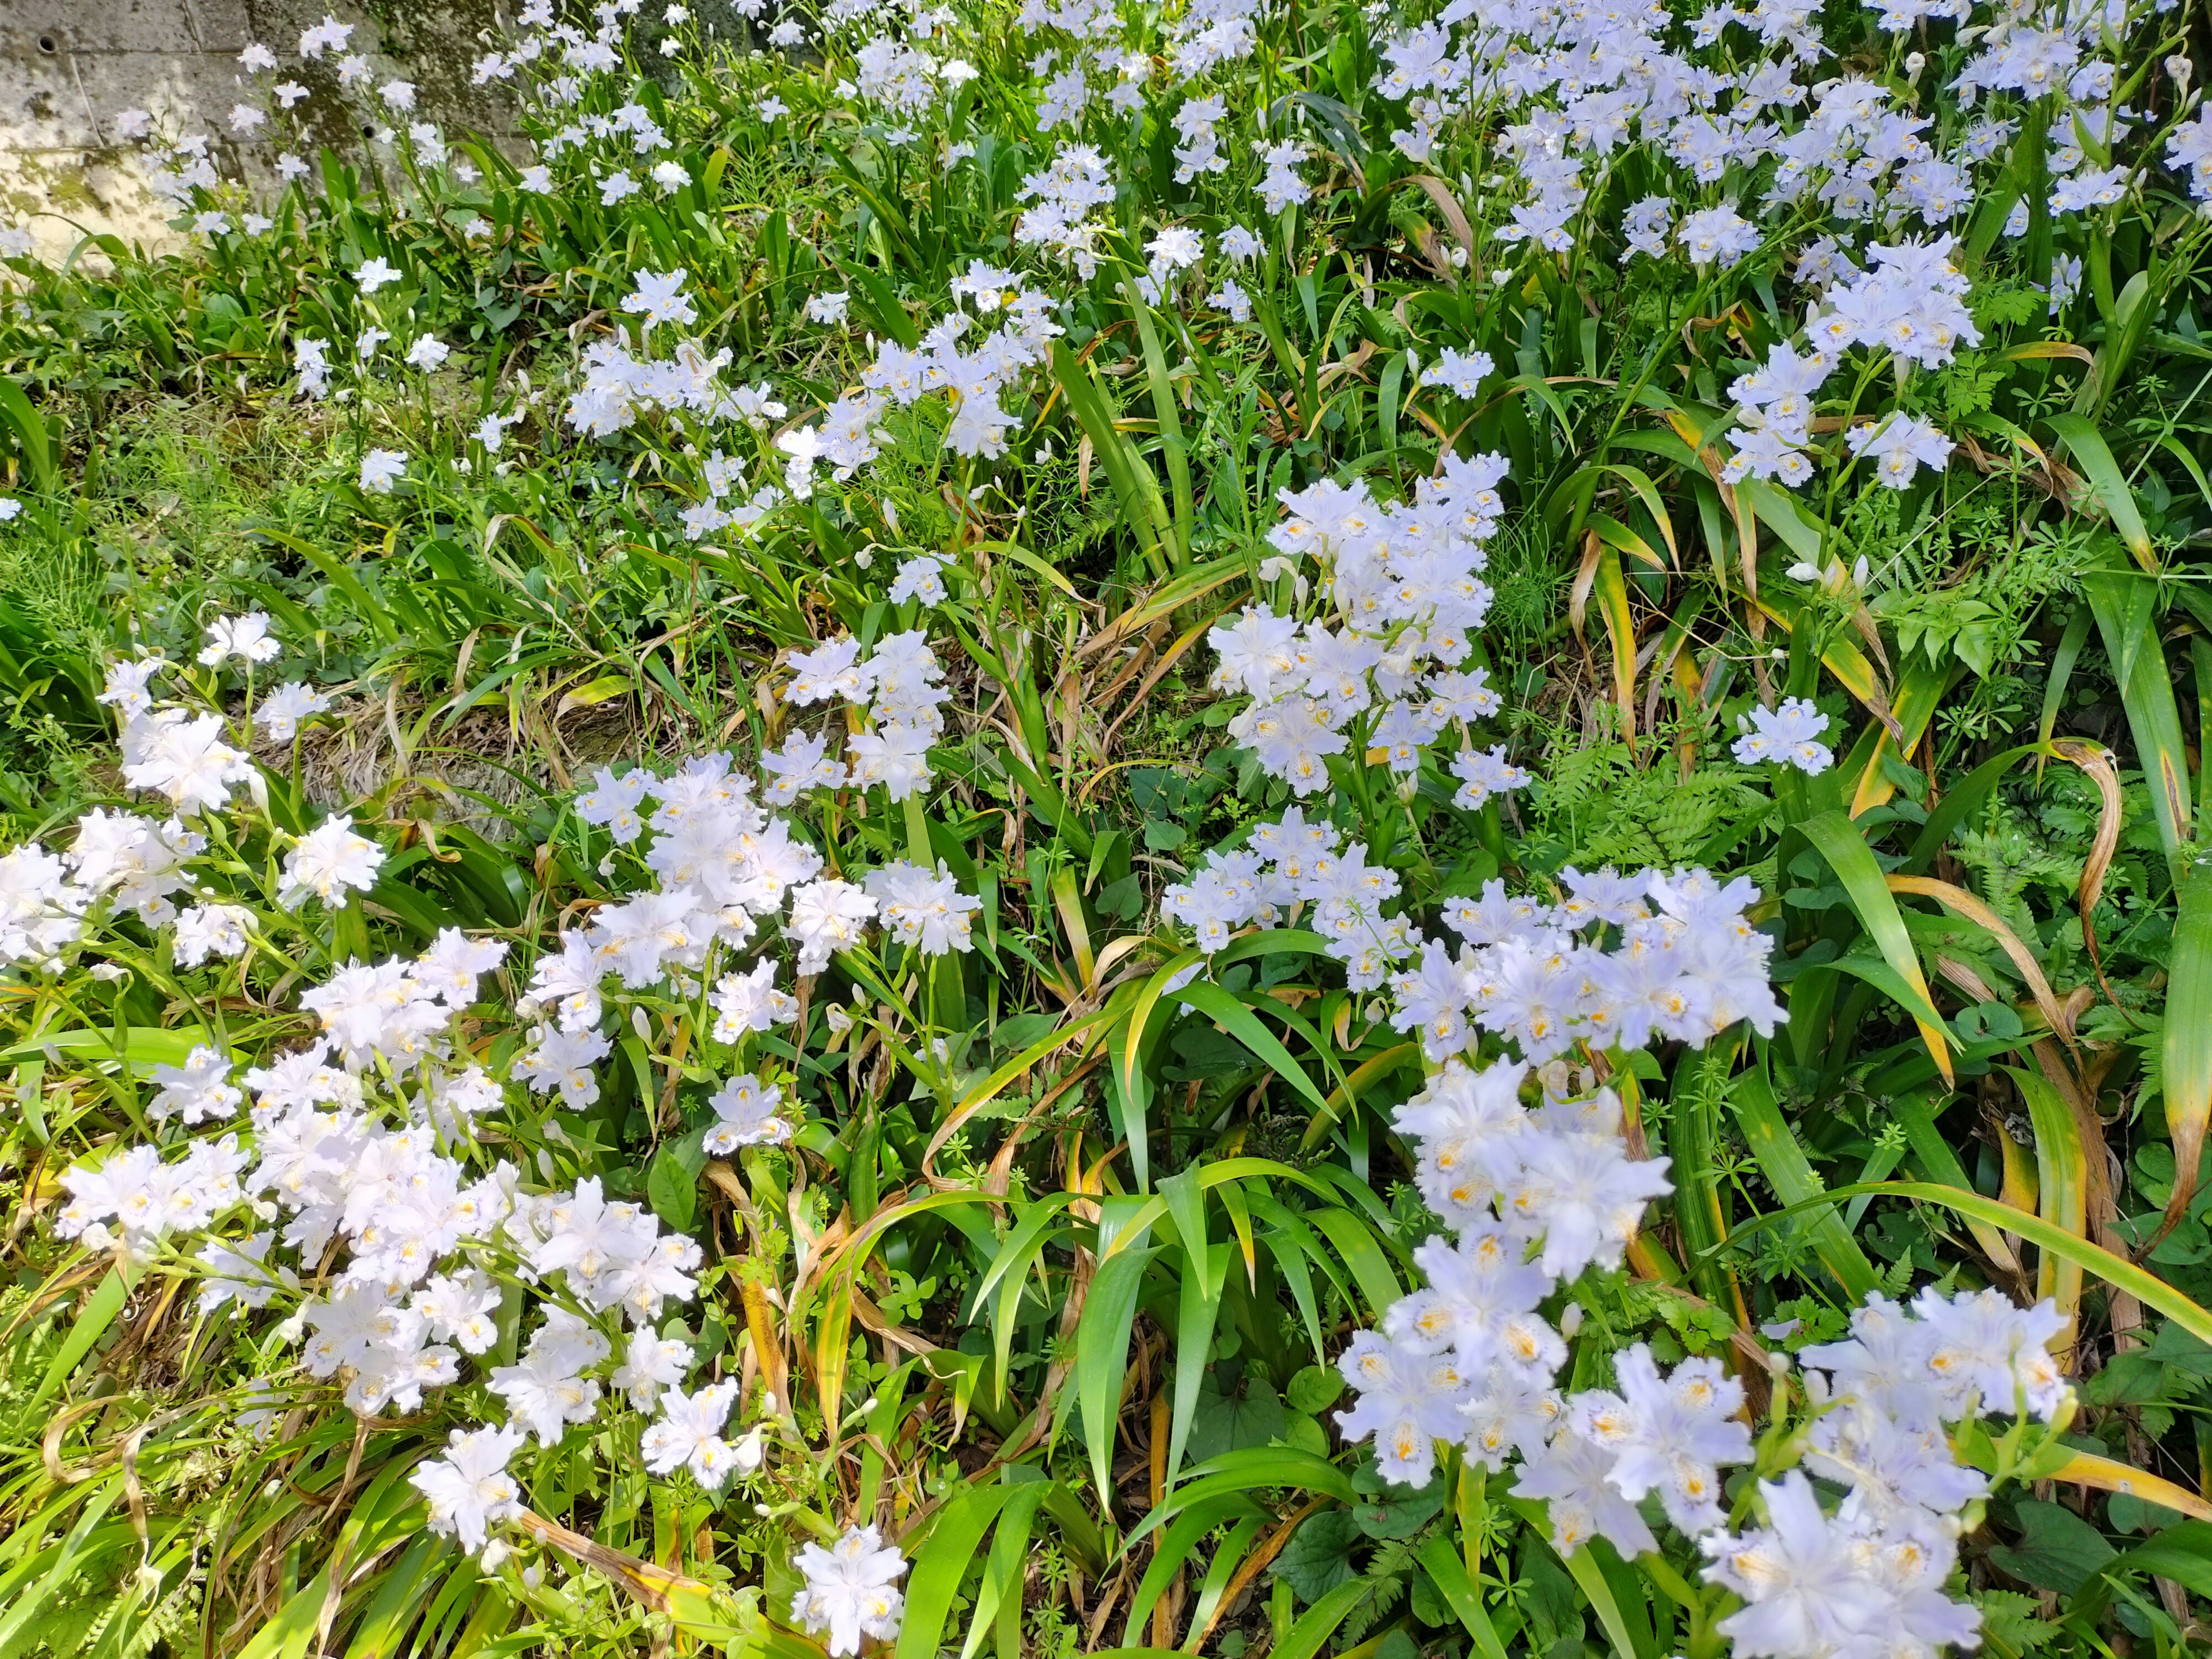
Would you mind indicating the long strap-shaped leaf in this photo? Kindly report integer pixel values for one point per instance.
(1102, 1350)
(954, 1533)
(2108, 1475)
(2187, 1044)
(1582, 1565)
(1132, 481)
(1853, 861)
(1916, 1112)
(2124, 602)
(1241, 1023)
(2118, 1272)
(1175, 1544)
(1249, 1469)
(2062, 1181)
(1962, 902)
(2182, 1554)
(2087, 447)
(1790, 1172)
(1450, 1574)
(1163, 409)
(1310, 1634)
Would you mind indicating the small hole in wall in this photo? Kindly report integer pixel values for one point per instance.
(47, 44)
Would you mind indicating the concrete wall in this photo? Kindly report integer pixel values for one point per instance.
(68, 67)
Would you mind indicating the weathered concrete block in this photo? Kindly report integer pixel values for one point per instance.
(68, 68)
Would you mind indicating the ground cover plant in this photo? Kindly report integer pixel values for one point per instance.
(1232, 828)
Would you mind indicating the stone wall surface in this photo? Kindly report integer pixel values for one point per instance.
(68, 67)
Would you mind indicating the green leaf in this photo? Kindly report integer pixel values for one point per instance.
(2186, 1037)
(2088, 446)
(30, 429)
(1399, 1513)
(671, 1182)
(1318, 1557)
(941, 1564)
(1840, 841)
(1314, 1389)
(1248, 1417)
(2058, 1550)
(1260, 1469)
(1132, 481)
(1450, 1574)
(1790, 1172)
(1582, 1566)
(89, 1326)
(1182, 1535)
(1102, 1351)
(2182, 1554)
(2146, 1288)
(1244, 1026)
(1313, 1628)
(1170, 423)
(2125, 604)
(998, 1598)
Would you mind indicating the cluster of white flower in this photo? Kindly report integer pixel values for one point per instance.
(1563, 91)
(358, 1142)
(1910, 304)
(851, 1590)
(382, 1235)
(1199, 38)
(1063, 199)
(184, 175)
(1020, 332)
(1404, 584)
(1869, 1580)
(1790, 734)
(899, 685)
(1535, 1197)
(41, 910)
(901, 77)
(359, 1149)
(146, 1200)
(142, 863)
(1544, 976)
(618, 386)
